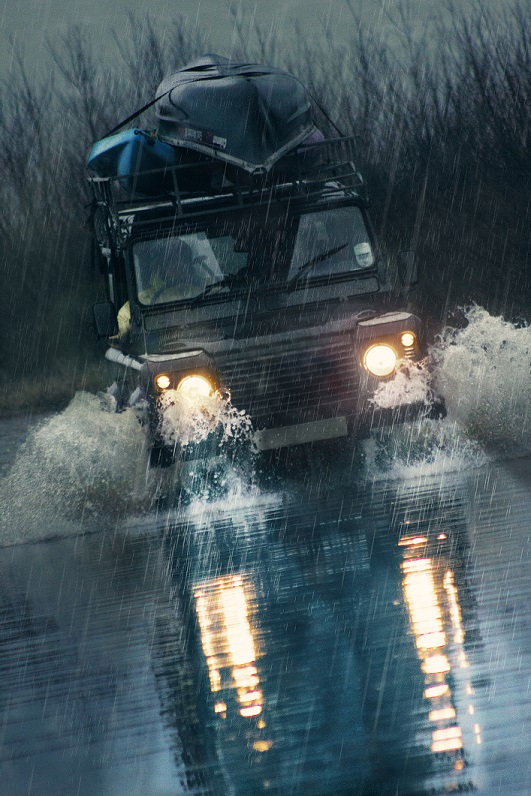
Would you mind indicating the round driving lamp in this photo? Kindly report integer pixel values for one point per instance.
(380, 360)
(195, 386)
(162, 381)
(407, 339)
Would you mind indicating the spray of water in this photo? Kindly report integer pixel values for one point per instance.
(483, 372)
(214, 445)
(246, 507)
(420, 448)
(80, 470)
(410, 384)
(87, 467)
(188, 421)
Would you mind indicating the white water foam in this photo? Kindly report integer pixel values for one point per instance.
(420, 448)
(188, 422)
(218, 437)
(86, 468)
(483, 371)
(80, 470)
(410, 384)
(246, 507)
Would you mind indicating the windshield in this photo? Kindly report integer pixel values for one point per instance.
(252, 251)
(331, 242)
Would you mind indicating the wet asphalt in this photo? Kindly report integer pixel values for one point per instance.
(328, 640)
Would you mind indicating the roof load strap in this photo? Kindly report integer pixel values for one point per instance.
(135, 114)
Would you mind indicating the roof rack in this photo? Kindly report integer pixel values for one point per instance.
(304, 173)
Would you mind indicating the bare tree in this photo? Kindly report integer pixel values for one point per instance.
(442, 122)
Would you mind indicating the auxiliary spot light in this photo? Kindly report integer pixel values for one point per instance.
(407, 339)
(380, 360)
(162, 381)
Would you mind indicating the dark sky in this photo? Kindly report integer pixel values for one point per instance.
(28, 21)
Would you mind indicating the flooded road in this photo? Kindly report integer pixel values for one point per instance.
(355, 624)
(329, 639)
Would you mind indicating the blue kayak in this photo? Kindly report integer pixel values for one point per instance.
(131, 153)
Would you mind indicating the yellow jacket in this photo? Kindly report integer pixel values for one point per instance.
(124, 313)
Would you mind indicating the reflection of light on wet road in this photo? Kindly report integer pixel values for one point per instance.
(441, 714)
(424, 610)
(435, 691)
(436, 621)
(432, 601)
(447, 739)
(222, 606)
(412, 541)
(455, 610)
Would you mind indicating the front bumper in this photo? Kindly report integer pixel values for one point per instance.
(337, 427)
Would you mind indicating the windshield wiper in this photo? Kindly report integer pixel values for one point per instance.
(310, 263)
(225, 282)
(232, 279)
(228, 281)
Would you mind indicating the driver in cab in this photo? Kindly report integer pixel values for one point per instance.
(166, 270)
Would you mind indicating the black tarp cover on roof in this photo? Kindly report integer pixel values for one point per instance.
(243, 113)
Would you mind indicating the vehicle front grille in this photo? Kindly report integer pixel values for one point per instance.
(281, 388)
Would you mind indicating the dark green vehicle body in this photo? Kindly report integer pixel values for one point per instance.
(274, 288)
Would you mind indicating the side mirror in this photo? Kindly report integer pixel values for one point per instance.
(105, 319)
(407, 268)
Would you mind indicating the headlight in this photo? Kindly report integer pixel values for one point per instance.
(195, 386)
(162, 381)
(380, 360)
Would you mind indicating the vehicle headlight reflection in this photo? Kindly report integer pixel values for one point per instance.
(380, 360)
(224, 611)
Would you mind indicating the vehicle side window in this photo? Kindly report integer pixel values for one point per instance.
(340, 231)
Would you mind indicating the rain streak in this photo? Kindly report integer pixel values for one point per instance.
(265, 419)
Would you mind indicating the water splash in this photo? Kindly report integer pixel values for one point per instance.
(246, 507)
(87, 467)
(80, 470)
(484, 372)
(186, 421)
(410, 384)
(420, 448)
(214, 439)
